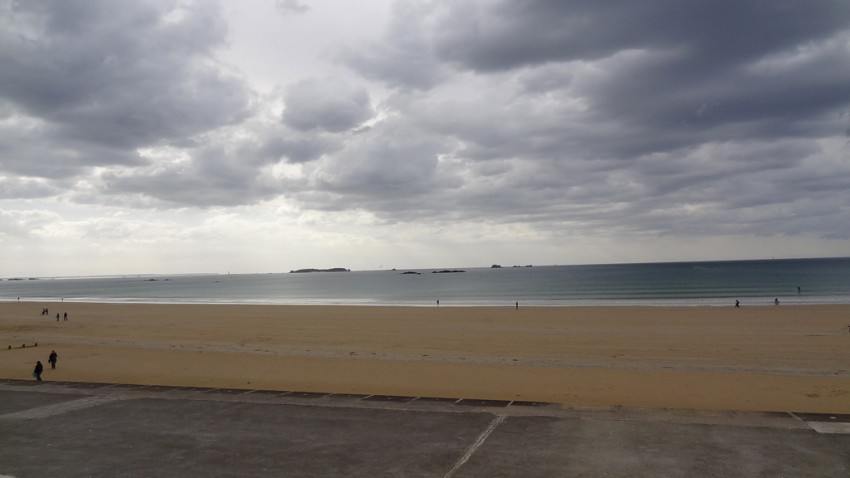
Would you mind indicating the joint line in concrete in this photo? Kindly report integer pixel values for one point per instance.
(474, 447)
(60, 408)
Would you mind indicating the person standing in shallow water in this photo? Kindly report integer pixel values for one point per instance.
(38, 369)
(52, 359)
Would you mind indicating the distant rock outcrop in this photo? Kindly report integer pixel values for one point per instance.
(335, 269)
(446, 271)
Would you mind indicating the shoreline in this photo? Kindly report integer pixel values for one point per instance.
(759, 358)
(720, 302)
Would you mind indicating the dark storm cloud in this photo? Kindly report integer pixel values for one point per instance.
(390, 169)
(13, 188)
(326, 105)
(644, 77)
(611, 113)
(671, 64)
(404, 56)
(291, 7)
(293, 147)
(184, 188)
(102, 81)
(216, 180)
(221, 169)
(488, 36)
(42, 151)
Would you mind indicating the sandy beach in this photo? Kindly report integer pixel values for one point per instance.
(767, 358)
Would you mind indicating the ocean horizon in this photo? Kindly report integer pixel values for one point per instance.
(701, 283)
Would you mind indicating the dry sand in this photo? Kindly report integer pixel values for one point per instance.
(769, 358)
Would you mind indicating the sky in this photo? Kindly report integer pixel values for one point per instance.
(171, 136)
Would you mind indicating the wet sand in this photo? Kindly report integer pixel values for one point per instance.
(767, 358)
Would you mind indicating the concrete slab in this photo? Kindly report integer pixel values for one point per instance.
(227, 391)
(20, 401)
(135, 431)
(436, 400)
(522, 403)
(388, 398)
(827, 427)
(569, 447)
(471, 402)
(824, 417)
(129, 386)
(274, 393)
(30, 383)
(188, 438)
(306, 395)
(87, 385)
(349, 396)
(78, 403)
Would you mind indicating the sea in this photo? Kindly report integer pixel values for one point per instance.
(718, 283)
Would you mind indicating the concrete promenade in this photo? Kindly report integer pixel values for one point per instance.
(60, 430)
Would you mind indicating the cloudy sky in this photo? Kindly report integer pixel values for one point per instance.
(266, 135)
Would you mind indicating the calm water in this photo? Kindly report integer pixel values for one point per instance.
(684, 283)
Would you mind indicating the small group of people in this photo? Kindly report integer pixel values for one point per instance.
(39, 368)
(46, 311)
(738, 304)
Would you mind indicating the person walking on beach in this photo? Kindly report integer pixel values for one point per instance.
(737, 305)
(66, 316)
(38, 369)
(776, 301)
(52, 359)
(57, 316)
